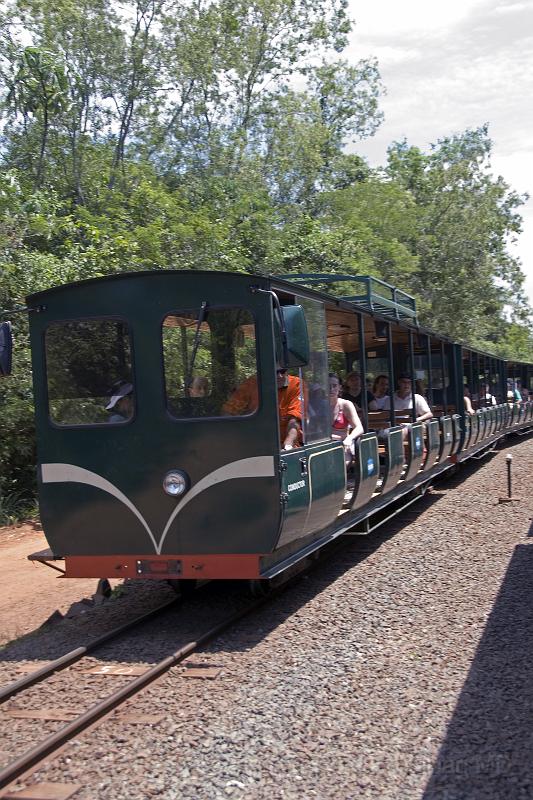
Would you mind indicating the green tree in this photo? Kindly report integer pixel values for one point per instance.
(39, 91)
(466, 278)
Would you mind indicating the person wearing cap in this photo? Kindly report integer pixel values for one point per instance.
(121, 403)
(245, 400)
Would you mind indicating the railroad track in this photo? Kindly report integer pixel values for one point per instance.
(31, 760)
(66, 660)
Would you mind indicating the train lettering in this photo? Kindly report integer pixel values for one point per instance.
(292, 487)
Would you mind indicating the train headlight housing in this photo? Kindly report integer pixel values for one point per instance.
(175, 483)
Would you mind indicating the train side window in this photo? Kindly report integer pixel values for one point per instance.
(317, 416)
(88, 367)
(209, 361)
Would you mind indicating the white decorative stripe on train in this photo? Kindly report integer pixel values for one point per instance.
(255, 467)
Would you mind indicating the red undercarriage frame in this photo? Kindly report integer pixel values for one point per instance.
(207, 567)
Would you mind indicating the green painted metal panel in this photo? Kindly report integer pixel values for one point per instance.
(394, 458)
(482, 420)
(457, 433)
(432, 443)
(366, 470)
(313, 484)
(507, 415)
(327, 484)
(467, 427)
(415, 455)
(474, 424)
(295, 494)
(446, 438)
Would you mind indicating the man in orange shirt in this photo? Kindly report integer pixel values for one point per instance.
(245, 400)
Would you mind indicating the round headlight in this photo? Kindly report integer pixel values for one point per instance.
(175, 483)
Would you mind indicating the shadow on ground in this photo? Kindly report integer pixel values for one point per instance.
(489, 741)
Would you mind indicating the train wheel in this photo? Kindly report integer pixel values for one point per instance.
(185, 587)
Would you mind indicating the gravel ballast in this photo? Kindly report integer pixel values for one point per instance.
(400, 668)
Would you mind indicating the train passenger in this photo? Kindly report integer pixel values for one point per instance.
(403, 400)
(352, 390)
(199, 386)
(345, 423)
(513, 392)
(245, 400)
(121, 403)
(468, 403)
(487, 398)
(380, 390)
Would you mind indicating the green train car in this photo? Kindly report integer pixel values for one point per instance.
(162, 419)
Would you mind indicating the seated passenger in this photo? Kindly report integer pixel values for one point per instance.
(121, 402)
(380, 390)
(199, 387)
(468, 403)
(245, 400)
(403, 400)
(352, 391)
(487, 399)
(346, 425)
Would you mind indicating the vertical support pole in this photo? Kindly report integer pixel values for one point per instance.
(471, 372)
(476, 380)
(443, 367)
(457, 371)
(392, 380)
(430, 372)
(503, 381)
(362, 369)
(412, 371)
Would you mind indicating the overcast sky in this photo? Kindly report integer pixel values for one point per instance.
(451, 66)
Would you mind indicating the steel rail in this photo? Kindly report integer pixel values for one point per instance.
(56, 740)
(6, 692)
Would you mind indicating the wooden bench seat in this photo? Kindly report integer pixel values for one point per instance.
(378, 420)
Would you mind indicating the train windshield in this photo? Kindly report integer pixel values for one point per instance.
(89, 372)
(210, 362)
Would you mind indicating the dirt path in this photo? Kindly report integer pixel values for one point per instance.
(31, 592)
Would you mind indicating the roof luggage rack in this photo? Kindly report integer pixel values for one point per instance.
(376, 295)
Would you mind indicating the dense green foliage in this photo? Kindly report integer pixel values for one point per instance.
(215, 135)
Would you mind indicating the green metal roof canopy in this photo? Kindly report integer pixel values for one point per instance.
(376, 295)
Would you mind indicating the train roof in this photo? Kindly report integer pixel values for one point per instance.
(376, 298)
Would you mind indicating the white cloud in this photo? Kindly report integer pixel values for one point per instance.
(448, 67)
(386, 17)
(510, 8)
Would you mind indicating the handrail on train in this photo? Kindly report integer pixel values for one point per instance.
(377, 296)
